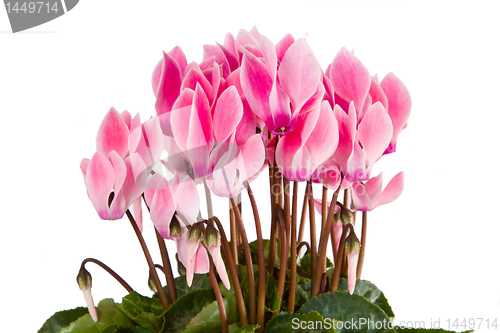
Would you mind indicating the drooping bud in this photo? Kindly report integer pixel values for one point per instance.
(346, 216)
(180, 267)
(195, 233)
(175, 228)
(352, 247)
(84, 280)
(151, 283)
(212, 237)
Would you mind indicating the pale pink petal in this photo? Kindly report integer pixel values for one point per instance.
(137, 208)
(169, 86)
(233, 80)
(391, 192)
(324, 138)
(220, 57)
(117, 208)
(247, 126)
(253, 155)
(375, 132)
(187, 198)
(219, 265)
(399, 102)
(269, 55)
(229, 43)
(180, 120)
(352, 262)
(329, 93)
(244, 38)
(132, 186)
(202, 263)
(356, 165)
(127, 118)
(350, 78)
(87, 294)
(162, 209)
(337, 230)
(373, 186)
(227, 114)
(84, 164)
(377, 94)
(113, 134)
(299, 73)
(360, 199)
(100, 179)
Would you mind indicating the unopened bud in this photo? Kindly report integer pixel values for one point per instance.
(175, 228)
(84, 279)
(336, 218)
(346, 216)
(352, 244)
(195, 233)
(212, 236)
(151, 283)
(180, 267)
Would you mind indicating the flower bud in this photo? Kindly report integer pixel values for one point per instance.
(84, 280)
(175, 228)
(346, 216)
(352, 247)
(151, 283)
(212, 237)
(195, 233)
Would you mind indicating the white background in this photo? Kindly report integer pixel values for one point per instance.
(434, 252)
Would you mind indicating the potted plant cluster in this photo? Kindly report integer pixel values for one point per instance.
(249, 109)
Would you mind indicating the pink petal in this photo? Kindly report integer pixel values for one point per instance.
(229, 43)
(113, 134)
(117, 208)
(100, 179)
(283, 45)
(195, 77)
(219, 265)
(360, 198)
(169, 86)
(373, 186)
(163, 208)
(253, 155)
(187, 198)
(247, 126)
(350, 78)
(84, 164)
(279, 103)
(377, 94)
(131, 186)
(228, 113)
(202, 263)
(352, 262)
(399, 102)
(127, 118)
(375, 132)
(337, 230)
(147, 140)
(299, 73)
(256, 84)
(347, 130)
(391, 192)
(233, 80)
(220, 57)
(269, 55)
(231, 58)
(137, 208)
(356, 165)
(179, 57)
(87, 294)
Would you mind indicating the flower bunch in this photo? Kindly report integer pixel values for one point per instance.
(251, 105)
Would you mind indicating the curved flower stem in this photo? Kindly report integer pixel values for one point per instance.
(248, 261)
(314, 257)
(283, 257)
(156, 280)
(325, 283)
(304, 214)
(286, 187)
(293, 252)
(261, 294)
(218, 297)
(233, 272)
(167, 267)
(306, 244)
(332, 239)
(346, 198)
(325, 233)
(110, 271)
(336, 273)
(363, 245)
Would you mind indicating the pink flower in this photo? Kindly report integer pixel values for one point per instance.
(279, 92)
(368, 196)
(192, 253)
(311, 143)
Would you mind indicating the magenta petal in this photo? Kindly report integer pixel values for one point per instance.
(195, 77)
(299, 73)
(375, 132)
(220, 58)
(229, 43)
(350, 78)
(279, 103)
(178, 55)
(246, 127)
(399, 102)
(100, 179)
(169, 86)
(283, 45)
(233, 80)
(231, 57)
(391, 192)
(227, 114)
(113, 134)
(256, 84)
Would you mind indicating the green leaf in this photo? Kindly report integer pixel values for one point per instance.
(108, 314)
(247, 329)
(208, 319)
(354, 312)
(200, 281)
(62, 319)
(138, 329)
(369, 291)
(185, 308)
(145, 311)
(416, 330)
(304, 266)
(311, 322)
